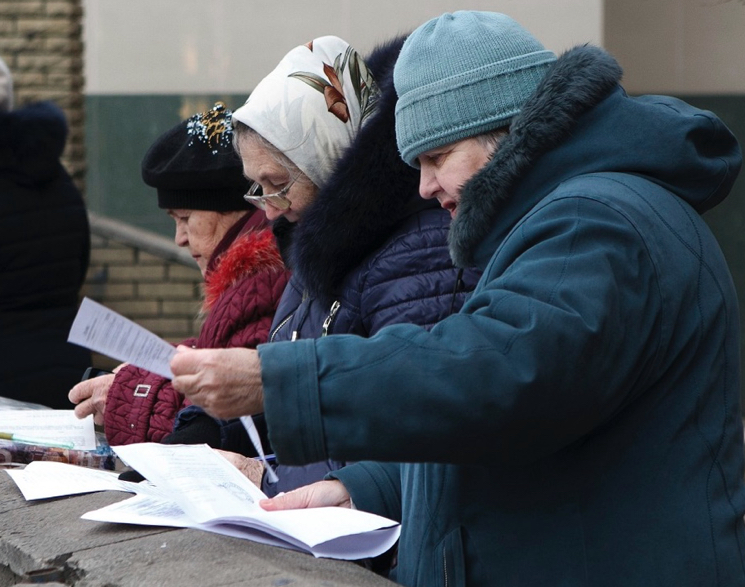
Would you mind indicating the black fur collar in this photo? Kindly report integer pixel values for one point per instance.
(576, 82)
(369, 193)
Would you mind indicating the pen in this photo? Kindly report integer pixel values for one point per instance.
(25, 440)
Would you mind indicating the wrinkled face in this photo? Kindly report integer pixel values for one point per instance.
(446, 169)
(201, 231)
(262, 166)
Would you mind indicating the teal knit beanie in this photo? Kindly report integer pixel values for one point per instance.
(463, 74)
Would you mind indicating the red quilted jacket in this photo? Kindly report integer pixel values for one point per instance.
(244, 282)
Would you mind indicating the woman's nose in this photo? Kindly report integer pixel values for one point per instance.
(428, 185)
(272, 213)
(180, 238)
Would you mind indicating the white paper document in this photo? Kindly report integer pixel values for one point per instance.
(45, 479)
(193, 486)
(50, 426)
(104, 331)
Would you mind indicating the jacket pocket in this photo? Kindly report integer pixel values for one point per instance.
(451, 560)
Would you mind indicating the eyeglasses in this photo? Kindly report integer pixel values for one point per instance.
(278, 200)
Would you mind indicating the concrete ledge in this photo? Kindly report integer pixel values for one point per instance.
(48, 538)
(144, 240)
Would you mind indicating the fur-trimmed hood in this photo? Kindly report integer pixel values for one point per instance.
(578, 121)
(247, 249)
(32, 139)
(370, 192)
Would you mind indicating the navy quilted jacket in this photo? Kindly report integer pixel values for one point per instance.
(367, 253)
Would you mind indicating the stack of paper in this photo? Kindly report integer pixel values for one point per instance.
(55, 427)
(192, 486)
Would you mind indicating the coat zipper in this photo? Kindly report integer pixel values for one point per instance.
(445, 565)
(279, 327)
(459, 285)
(330, 318)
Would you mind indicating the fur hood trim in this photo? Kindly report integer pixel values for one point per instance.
(580, 79)
(370, 192)
(252, 252)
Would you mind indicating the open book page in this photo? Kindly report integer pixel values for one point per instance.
(220, 499)
(313, 530)
(50, 426)
(151, 510)
(200, 480)
(145, 509)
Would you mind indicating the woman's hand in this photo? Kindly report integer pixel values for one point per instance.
(225, 382)
(251, 468)
(316, 495)
(90, 397)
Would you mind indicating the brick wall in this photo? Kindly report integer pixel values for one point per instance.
(141, 275)
(41, 41)
(144, 277)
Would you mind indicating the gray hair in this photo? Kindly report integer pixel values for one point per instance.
(6, 88)
(492, 138)
(242, 131)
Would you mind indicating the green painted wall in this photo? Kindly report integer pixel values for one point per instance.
(119, 131)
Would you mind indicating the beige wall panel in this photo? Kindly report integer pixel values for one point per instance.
(198, 46)
(678, 46)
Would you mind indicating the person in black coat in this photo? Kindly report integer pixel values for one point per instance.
(44, 254)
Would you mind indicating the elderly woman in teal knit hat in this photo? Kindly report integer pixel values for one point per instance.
(578, 421)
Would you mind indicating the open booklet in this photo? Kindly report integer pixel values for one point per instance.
(192, 486)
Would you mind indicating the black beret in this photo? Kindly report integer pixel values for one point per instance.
(194, 166)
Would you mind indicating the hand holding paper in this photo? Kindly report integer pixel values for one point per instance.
(101, 330)
(225, 382)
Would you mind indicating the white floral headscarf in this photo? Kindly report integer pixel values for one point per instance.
(313, 104)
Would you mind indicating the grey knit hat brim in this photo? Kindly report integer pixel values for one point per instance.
(463, 74)
(467, 105)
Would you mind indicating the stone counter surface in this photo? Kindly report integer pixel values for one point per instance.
(46, 541)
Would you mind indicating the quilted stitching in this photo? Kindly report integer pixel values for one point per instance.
(243, 294)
